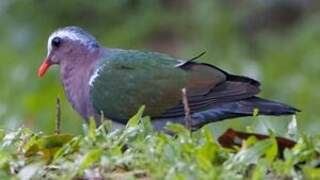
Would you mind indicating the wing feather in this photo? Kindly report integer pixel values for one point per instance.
(229, 89)
(130, 79)
(225, 92)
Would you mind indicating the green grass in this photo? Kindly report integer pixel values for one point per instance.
(139, 152)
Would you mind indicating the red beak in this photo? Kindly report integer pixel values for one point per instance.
(44, 67)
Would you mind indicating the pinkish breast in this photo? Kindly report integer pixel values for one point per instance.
(75, 80)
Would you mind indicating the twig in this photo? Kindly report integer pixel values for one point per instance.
(186, 108)
(58, 116)
(101, 118)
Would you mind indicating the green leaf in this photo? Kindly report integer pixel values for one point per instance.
(249, 129)
(177, 129)
(293, 131)
(133, 121)
(252, 154)
(48, 145)
(146, 124)
(312, 173)
(71, 146)
(255, 112)
(272, 152)
(207, 134)
(53, 141)
(105, 127)
(92, 130)
(258, 173)
(250, 141)
(90, 158)
(31, 146)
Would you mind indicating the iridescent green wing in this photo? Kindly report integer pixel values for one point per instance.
(129, 79)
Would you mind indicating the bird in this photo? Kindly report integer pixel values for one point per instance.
(116, 82)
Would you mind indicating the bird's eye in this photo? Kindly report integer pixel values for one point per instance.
(56, 42)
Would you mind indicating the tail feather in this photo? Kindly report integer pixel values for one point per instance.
(230, 110)
(268, 107)
(242, 108)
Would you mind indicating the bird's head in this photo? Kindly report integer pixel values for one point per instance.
(66, 44)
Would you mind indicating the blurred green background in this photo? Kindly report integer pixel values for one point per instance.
(274, 41)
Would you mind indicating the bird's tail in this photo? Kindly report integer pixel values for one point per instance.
(228, 110)
(267, 107)
(242, 108)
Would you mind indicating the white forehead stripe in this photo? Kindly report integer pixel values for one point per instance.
(74, 34)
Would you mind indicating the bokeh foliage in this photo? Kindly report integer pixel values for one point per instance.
(276, 42)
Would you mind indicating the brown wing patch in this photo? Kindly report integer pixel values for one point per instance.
(225, 92)
(209, 85)
(202, 78)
